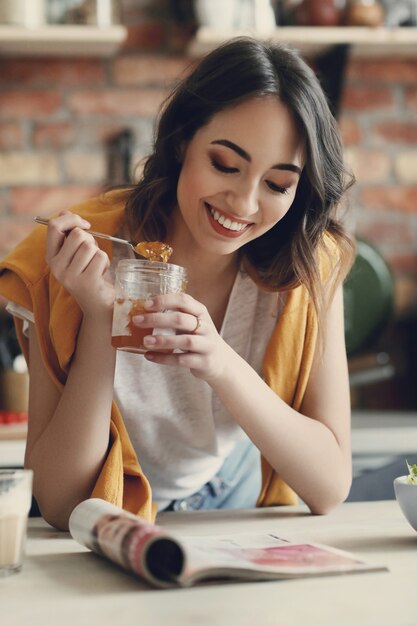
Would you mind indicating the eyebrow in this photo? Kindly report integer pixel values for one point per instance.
(245, 155)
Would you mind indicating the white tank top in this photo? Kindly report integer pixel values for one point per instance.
(179, 429)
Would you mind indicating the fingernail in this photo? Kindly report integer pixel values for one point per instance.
(137, 319)
(148, 304)
(149, 340)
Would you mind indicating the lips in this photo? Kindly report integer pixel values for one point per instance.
(224, 225)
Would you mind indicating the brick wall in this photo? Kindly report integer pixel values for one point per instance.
(58, 117)
(379, 124)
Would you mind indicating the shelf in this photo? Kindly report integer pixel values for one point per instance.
(314, 40)
(62, 40)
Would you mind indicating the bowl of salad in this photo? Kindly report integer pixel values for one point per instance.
(405, 488)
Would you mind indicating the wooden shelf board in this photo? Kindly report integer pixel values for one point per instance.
(61, 40)
(310, 41)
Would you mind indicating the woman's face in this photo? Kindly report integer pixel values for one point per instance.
(239, 175)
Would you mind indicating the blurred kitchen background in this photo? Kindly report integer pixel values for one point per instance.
(80, 85)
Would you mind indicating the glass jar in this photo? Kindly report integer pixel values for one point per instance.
(15, 503)
(137, 281)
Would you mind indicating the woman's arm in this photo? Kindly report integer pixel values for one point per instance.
(68, 432)
(310, 449)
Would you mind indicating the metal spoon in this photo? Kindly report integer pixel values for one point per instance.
(153, 250)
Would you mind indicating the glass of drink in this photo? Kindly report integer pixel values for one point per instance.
(137, 281)
(15, 502)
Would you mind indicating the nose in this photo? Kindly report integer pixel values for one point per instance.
(243, 199)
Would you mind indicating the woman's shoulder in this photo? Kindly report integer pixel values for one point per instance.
(105, 212)
(328, 251)
(335, 255)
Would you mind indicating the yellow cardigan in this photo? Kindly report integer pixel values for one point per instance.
(25, 279)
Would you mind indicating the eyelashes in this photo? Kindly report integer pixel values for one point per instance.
(276, 188)
(233, 170)
(222, 168)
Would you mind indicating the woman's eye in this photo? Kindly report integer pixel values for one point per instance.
(276, 188)
(222, 168)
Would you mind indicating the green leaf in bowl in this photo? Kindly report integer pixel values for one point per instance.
(412, 474)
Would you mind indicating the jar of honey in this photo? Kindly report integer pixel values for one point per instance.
(137, 281)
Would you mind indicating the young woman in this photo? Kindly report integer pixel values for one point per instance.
(244, 182)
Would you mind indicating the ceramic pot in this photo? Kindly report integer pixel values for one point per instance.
(317, 13)
(364, 13)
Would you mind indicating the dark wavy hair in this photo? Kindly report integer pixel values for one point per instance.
(240, 69)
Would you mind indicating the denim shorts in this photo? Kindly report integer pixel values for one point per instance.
(235, 486)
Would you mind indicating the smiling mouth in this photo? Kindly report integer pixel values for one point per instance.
(226, 223)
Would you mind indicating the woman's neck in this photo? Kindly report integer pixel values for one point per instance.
(210, 276)
(202, 264)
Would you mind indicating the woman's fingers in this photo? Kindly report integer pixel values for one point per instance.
(75, 253)
(192, 333)
(196, 345)
(185, 343)
(189, 360)
(79, 264)
(99, 263)
(181, 322)
(186, 314)
(58, 230)
(176, 301)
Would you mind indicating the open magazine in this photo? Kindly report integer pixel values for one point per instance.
(153, 554)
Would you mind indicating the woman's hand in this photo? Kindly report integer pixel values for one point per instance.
(78, 264)
(203, 351)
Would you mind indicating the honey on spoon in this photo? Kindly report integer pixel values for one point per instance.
(151, 250)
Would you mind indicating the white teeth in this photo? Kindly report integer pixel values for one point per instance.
(226, 222)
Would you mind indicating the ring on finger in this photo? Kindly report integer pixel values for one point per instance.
(197, 325)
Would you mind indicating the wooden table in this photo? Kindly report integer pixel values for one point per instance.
(63, 584)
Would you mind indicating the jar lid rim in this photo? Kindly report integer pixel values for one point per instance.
(145, 264)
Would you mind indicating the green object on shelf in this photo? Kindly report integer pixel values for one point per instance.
(368, 298)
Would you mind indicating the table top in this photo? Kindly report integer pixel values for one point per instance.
(63, 583)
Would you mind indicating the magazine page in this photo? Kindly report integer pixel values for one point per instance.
(144, 549)
(265, 556)
(150, 552)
